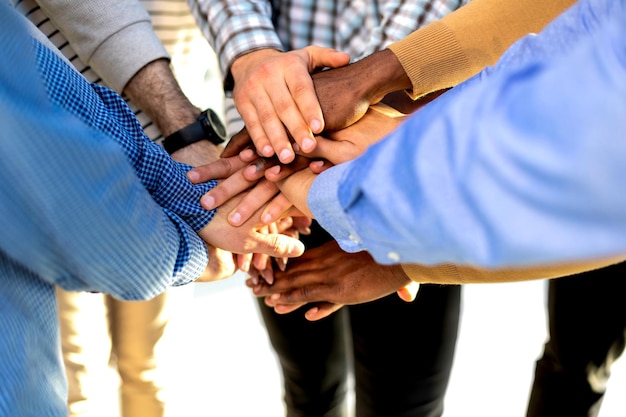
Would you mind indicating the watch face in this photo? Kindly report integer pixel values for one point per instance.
(216, 125)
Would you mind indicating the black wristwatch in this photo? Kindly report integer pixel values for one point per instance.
(208, 126)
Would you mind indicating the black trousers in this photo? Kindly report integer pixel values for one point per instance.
(587, 321)
(401, 354)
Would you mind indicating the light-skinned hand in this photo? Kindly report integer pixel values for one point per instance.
(221, 265)
(274, 91)
(251, 236)
(245, 172)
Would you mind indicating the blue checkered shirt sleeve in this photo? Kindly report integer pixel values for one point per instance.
(105, 110)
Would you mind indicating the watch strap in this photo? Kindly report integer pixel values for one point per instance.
(196, 131)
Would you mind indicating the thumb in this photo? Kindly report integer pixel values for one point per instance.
(321, 310)
(326, 57)
(277, 245)
(326, 149)
(409, 291)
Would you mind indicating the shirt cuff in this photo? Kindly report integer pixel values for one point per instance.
(192, 257)
(247, 42)
(426, 54)
(325, 204)
(241, 32)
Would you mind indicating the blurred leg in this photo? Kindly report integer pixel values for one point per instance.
(403, 352)
(86, 349)
(142, 336)
(312, 355)
(587, 320)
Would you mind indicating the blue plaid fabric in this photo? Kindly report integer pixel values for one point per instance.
(104, 110)
(87, 202)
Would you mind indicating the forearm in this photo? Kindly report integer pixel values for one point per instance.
(157, 171)
(155, 91)
(451, 50)
(365, 76)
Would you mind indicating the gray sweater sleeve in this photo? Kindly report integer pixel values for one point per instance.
(114, 37)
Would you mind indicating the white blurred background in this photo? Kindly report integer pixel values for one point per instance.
(231, 371)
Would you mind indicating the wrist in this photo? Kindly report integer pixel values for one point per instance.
(385, 75)
(245, 63)
(175, 116)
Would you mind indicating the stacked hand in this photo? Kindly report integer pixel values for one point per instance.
(273, 91)
(329, 278)
(255, 190)
(297, 126)
(239, 226)
(230, 246)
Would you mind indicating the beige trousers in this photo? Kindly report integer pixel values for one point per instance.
(138, 339)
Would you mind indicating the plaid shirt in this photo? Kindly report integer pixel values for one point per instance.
(358, 27)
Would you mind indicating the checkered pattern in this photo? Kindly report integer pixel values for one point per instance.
(105, 110)
(358, 27)
(74, 214)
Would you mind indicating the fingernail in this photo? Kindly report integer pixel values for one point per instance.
(268, 150)
(296, 248)
(317, 164)
(208, 202)
(235, 218)
(267, 218)
(282, 263)
(246, 154)
(251, 170)
(275, 170)
(315, 125)
(310, 314)
(193, 176)
(308, 144)
(285, 155)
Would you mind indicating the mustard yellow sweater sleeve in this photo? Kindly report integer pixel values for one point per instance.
(451, 50)
(457, 274)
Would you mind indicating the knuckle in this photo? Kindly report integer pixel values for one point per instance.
(225, 165)
(268, 187)
(265, 69)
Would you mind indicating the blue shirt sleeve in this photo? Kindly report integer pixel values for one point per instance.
(522, 164)
(88, 201)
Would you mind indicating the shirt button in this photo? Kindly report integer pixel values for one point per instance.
(353, 238)
(394, 256)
